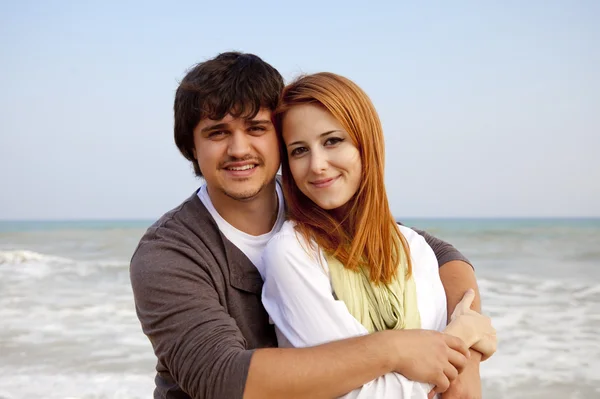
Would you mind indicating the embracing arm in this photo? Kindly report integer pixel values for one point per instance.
(297, 295)
(325, 371)
(204, 351)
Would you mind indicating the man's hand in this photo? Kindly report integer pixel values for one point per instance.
(468, 383)
(430, 356)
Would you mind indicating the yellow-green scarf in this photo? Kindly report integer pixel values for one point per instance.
(377, 307)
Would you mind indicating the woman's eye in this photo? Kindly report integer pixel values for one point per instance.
(298, 151)
(333, 140)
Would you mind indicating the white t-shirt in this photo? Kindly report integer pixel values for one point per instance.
(251, 246)
(297, 294)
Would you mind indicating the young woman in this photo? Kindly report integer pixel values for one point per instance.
(341, 266)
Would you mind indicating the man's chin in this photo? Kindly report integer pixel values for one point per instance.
(245, 194)
(246, 190)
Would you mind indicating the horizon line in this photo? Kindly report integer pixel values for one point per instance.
(78, 220)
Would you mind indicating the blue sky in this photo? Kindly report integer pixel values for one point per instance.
(490, 109)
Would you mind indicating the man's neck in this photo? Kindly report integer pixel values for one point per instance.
(255, 216)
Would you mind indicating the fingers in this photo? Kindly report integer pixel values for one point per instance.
(442, 384)
(457, 360)
(431, 394)
(467, 300)
(457, 344)
(486, 346)
(464, 304)
(451, 372)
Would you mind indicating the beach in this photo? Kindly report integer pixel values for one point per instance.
(69, 328)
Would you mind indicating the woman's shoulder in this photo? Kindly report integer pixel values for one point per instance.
(285, 235)
(410, 235)
(288, 247)
(421, 253)
(287, 239)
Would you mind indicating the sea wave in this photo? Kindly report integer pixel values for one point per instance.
(25, 256)
(16, 257)
(77, 386)
(546, 329)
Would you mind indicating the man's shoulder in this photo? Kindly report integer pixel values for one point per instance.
(190, 205)
(188, 225)
(181, 248)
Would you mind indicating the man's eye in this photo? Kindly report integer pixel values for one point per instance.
(257, 129)
(217, 133)
(298, 151)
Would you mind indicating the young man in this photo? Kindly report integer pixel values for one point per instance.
(196, 287)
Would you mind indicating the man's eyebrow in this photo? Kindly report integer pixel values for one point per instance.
(321, 135)
(258, 121)
(214, 127)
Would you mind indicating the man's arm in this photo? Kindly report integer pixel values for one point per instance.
(336, 368)
(458, 277)
(326, 371)
(444, 252)
(192, 336)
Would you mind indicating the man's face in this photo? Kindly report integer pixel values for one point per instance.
(238, 157)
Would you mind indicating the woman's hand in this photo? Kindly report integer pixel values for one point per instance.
(474, 329)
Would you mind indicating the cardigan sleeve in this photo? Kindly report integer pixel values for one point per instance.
(444, 252)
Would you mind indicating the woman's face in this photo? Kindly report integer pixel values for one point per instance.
(324, 162)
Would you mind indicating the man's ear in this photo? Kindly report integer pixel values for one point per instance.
(194, 153)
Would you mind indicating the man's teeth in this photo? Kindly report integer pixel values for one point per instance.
(245, 167)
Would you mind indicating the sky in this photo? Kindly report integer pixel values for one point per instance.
(490, 109)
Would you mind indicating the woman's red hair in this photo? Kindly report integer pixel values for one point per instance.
(368, 236)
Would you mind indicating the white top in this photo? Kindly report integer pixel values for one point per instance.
(297, 294)
(251, 246)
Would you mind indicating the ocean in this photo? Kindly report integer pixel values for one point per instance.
(68, 327)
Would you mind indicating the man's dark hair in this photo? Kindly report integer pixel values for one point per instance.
(231, 83)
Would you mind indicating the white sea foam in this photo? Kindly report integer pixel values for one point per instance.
(31, 264)
(17, 257)
(76, 386)
(546, 330)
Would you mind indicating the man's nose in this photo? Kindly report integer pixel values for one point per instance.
(239, 145)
